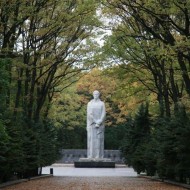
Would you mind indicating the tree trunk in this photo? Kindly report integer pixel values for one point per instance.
(184, 72)
(18, 94)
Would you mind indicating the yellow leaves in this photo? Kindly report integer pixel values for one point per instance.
(96, 80)
(67, 109)
(19, 64)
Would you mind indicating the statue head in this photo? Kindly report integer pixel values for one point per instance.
(96, 94)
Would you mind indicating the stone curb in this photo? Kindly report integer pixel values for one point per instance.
(167, 181)
(9, 183)
(41, 176)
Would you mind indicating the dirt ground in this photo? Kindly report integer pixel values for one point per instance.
(93, 183)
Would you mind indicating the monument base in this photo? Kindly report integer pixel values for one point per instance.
(94, 163)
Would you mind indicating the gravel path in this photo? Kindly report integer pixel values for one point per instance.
(93, 183)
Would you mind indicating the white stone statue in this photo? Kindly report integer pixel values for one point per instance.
(96, 114)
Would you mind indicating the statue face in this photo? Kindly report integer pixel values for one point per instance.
(96, 95)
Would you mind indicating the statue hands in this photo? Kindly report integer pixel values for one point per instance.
(98, 123)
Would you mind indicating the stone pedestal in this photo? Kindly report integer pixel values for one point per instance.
(94, 163)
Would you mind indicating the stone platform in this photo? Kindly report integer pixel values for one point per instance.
(69, 156)
(94, 163)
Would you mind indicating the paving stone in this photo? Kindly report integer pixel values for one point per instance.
(93, 183)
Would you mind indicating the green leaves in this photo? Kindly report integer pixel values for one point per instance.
(135, 144)
(158, 145)
(4, 141)
(44, 47)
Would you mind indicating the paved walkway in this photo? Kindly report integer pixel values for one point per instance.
(93, 183)
(66, 177)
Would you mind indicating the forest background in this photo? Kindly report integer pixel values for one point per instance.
(55, 53)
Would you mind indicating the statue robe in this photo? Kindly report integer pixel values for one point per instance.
(95, 135)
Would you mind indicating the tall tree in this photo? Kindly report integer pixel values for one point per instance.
(43, 44)
(143, 37)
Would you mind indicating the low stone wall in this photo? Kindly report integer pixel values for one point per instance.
(72, 155)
